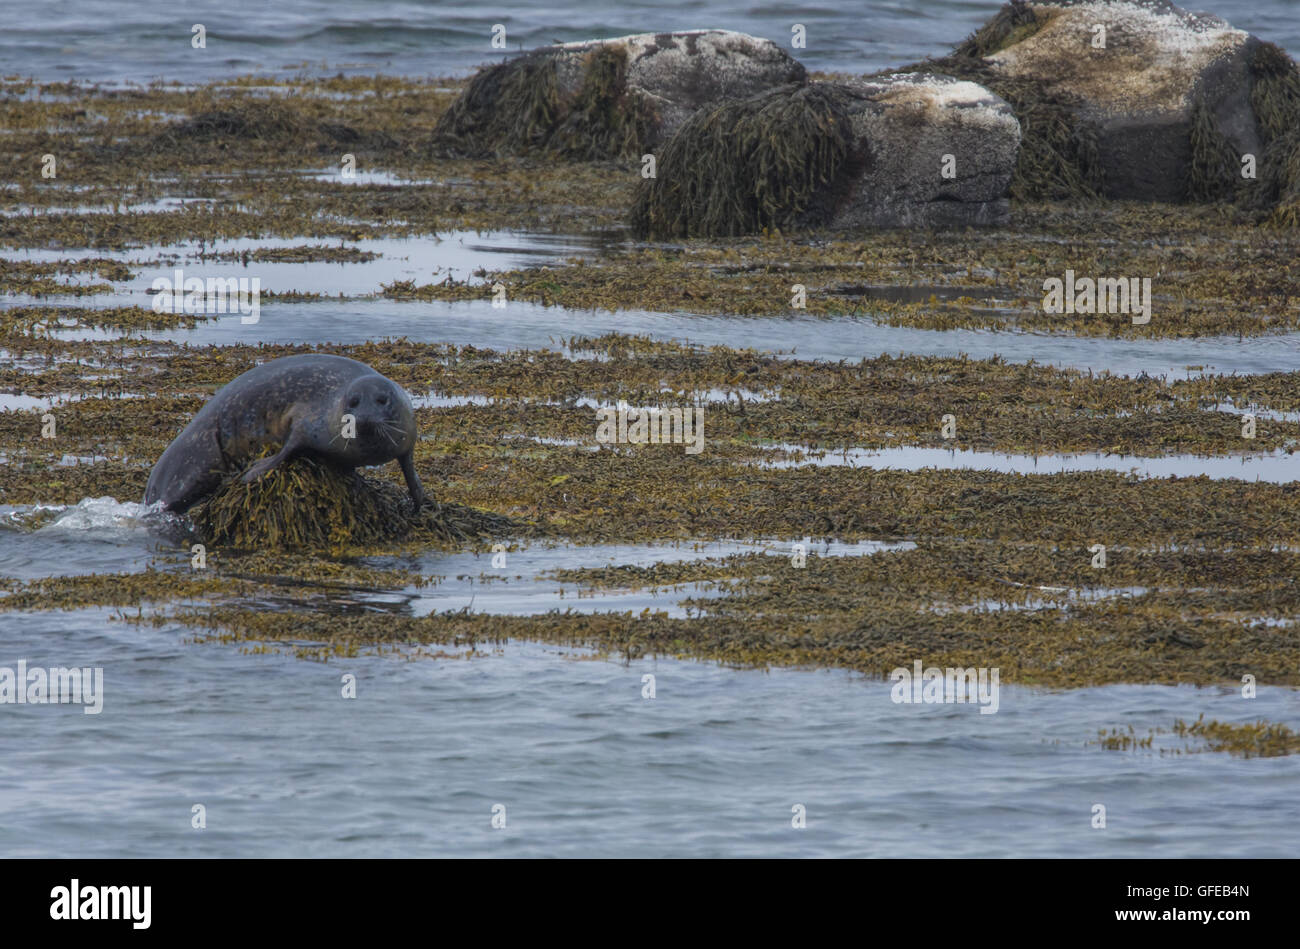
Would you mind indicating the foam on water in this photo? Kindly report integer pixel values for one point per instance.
(99, 514)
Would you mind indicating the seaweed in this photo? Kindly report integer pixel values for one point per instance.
(1275, 98)
(1260, 739)
(306, 505)
(606, 120)
(1213, 174)
(245, 120)
(518, 108)
(1014, 22)
(777, 160)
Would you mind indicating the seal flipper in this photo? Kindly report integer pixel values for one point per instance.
(292, 445)
(413, 485)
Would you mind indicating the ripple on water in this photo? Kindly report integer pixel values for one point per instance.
(711, 766)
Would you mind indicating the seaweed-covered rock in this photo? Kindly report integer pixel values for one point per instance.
(902, 150)
(935, 152)
(1138, 99)
(613, 98)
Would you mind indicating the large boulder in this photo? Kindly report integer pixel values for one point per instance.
(613, 98)
(938, 152)
(1138, 99)
(902, 150)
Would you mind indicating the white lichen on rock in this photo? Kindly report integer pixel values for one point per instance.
(1153, 54)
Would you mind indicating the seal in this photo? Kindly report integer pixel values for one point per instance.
(336, 410)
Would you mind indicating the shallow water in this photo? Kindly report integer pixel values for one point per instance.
(585, 766)
(104, 535)
(530, 326)
(1277, 466)
(458, 255)
(464, 256)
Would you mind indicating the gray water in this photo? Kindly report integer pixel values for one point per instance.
(1278, 467)
(582, 763)
(585, 766)
(461, 255)
(531, 326)
(116, 41)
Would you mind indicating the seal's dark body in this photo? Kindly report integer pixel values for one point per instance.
(298, 403)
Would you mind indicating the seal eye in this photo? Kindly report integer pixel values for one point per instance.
(382, 400)
(355, 401)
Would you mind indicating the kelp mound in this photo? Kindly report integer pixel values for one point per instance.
(519, 107)
(245, 120)
(607, 99)
(772, 161)
(267, 122)
(306, 505)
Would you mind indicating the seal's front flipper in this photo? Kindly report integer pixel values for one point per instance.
(413, 485)
(291, 446)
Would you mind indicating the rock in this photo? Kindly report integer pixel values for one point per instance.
(614, 98)
(1161, 104)
(901, 150)
(939, 152)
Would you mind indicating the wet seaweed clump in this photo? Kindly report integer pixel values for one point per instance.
(1212, 174)
(1275, 97)
(271, 123)
(308, 505)
(1119, 740)
(245, 120)
(1014, 22)
(774, 161)
(520, 107)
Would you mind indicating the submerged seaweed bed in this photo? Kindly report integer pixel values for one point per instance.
(1001, 572)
